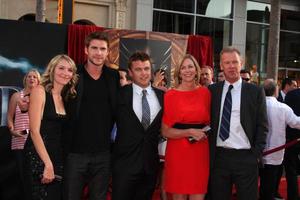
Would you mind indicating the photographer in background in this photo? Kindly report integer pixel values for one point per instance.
(160, 80)
(124, 78)
(206, 75)
(245, 75)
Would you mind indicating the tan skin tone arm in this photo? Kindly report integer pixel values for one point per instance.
(11, 113)
(37, 100)
(159, 76)
(174, 133)
(23, 103)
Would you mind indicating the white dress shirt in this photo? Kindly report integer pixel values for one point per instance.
(279, 115)
(151, 98)
(282, 94)
(237, 136)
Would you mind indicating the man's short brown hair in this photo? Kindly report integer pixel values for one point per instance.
(138, 56)
(97, 35)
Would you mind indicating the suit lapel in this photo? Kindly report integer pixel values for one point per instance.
(160, 99)
(159, 96)
(128, 97)
(243, 106)
(79, 88)
(219, 92)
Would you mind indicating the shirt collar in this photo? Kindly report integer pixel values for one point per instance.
(271, 98)
(236, 85)
(139, 90)
(282, 94)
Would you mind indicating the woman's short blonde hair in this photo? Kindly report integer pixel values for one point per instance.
(177, 70)
(48, 76)
(37, 73)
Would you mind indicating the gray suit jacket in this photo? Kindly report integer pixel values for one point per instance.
(253, 116)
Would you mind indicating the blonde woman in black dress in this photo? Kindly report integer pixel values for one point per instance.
(43, 150)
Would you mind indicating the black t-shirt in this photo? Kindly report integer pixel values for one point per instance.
(95, 117)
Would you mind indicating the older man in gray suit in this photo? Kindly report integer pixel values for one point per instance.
(239, 128)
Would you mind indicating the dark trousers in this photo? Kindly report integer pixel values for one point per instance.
(10, 181)
(133, 186)
(268, 181)
(278, 178)
(238, 167)
(19, 157)
(92, 170)
(290, 165)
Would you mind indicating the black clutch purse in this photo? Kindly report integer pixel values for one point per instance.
(195, 126)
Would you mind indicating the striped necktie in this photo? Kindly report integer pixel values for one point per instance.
(226, 115)
(145, 111)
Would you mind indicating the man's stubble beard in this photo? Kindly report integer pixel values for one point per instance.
(98, 65)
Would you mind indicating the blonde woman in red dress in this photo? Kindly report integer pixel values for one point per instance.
(186, 112)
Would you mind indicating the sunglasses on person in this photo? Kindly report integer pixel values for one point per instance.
(246, 79)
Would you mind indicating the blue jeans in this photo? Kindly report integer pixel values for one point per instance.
(92, 170)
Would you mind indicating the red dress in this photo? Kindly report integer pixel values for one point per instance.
(186, 164)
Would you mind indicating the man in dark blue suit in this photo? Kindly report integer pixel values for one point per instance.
(239, 128)
(135, 153)
(287, 85)
(291, 158)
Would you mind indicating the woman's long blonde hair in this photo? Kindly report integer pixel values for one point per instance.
(48, 77)
(178, 67)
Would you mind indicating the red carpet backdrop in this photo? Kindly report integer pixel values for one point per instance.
(26, 45)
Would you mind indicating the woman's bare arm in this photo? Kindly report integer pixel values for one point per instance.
(36, 108)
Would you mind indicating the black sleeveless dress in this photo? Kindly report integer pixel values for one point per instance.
(51, 132)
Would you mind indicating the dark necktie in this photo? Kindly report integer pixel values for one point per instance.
(145, 111)
(225, 121)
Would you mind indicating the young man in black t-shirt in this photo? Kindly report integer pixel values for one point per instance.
(91, 121)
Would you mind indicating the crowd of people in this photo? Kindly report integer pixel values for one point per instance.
(87, 126)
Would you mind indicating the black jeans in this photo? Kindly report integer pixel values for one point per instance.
(268, 181)
(92, 170)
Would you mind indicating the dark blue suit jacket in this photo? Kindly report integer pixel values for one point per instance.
(292, 99)
(280, 98)
(135, 149)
